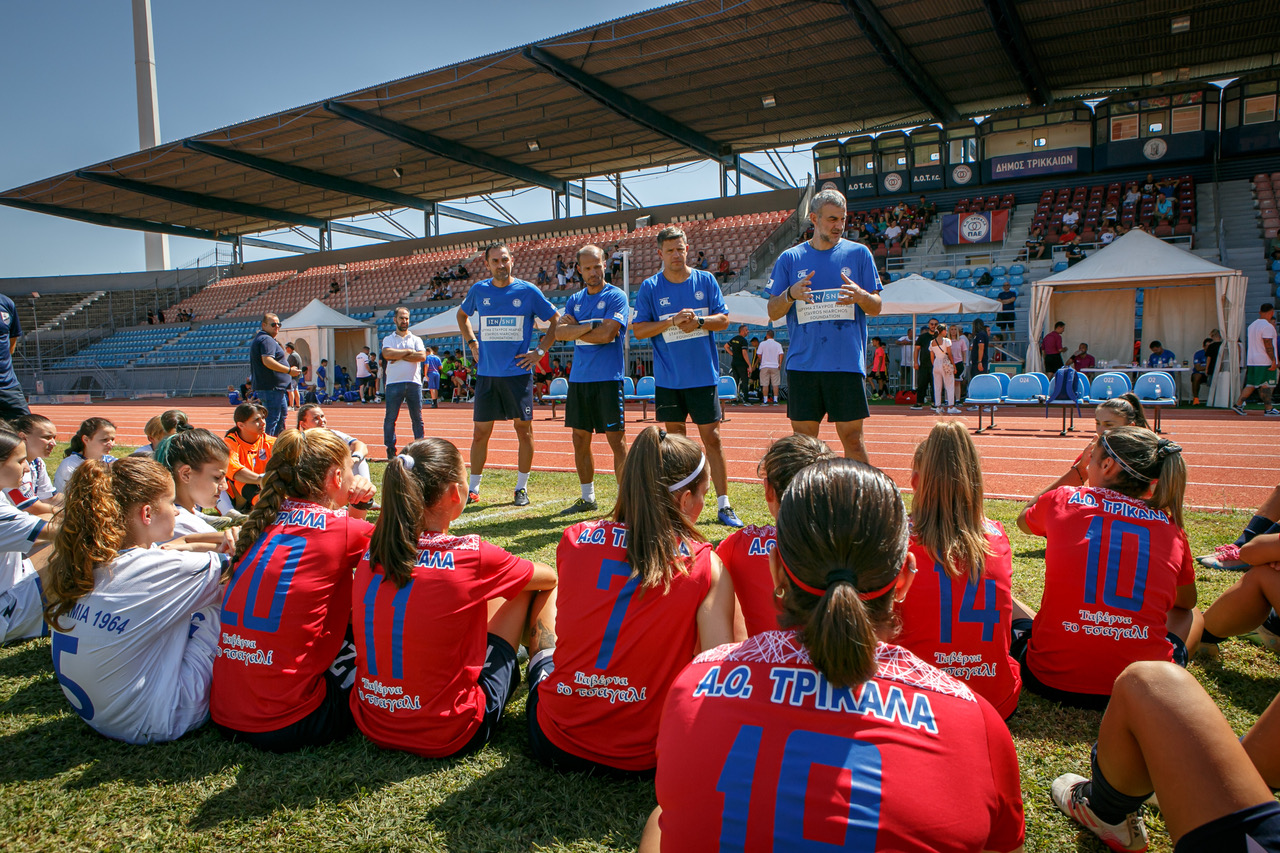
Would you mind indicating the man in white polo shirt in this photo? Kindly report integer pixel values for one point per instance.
(770, 355)
(364, 376)
(404, 352)
(1261, 359)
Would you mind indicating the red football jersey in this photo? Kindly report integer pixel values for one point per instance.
(1113, 567)
(284, 615)
(428, 701)
(618, 647)
(759, 752)
(962, 628)
(745, 553)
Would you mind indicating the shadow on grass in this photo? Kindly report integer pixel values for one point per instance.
(1247, 692)
(1030, 553)
(25, 659)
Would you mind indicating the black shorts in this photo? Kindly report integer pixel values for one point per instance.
(812, 395)
(541, 666)
(1260, 824)
(504, 398)
(330, 721)
(595, 406)
(364, 381)
(499, 678)
(700, 405)
(1020, 632)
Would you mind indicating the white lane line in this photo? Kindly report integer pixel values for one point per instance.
(475, 519)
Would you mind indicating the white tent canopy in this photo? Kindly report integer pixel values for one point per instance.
(915, 294)
(1184, 296)
(747, 308)
(320, 332)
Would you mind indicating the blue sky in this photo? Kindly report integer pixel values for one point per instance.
(70, 97)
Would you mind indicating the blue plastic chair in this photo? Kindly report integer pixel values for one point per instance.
(1157, 391)
(646, 389)
(1004, 382)
(985, 392)
(1017, 269)
(964, 272)
(927, 274)
(943, 275)
(979, 272)
(1060, 266)
(894, 276)
(1016, 280)
(629, 389)
(998, 271)
(1024, 390)
(727, 388)
(1108, 385)
(558, 393)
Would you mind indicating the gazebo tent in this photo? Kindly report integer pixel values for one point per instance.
(318, 331)
(1184, 296)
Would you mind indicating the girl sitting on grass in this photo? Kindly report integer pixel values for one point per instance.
(198, 461)
(1125, 410)
(93, 440)
(20, 530)
(41, 438)
(438, 616)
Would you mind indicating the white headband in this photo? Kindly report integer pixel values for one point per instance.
(687, 480)
(406, 460)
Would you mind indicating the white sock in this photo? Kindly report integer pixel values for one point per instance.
(475, 483)
(589, 492)
(723, 501)
(224, 503)
(522, 480)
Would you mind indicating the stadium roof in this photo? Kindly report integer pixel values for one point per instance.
(682, 82)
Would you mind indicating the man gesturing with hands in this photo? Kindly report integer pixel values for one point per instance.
(826, 288)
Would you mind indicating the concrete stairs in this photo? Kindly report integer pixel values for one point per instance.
(1244, 244)
(72, 311)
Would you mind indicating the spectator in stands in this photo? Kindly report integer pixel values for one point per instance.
(1164, 207)
(910, 236)
(1106, 235)
(293, 360)
(1008, 302)
(1161, 357)
(461, 273)
(1075, 254)
(1109, 214)
(160, 315)
(543, 279)
(1035, 244)
(562, 272)
(615, 262)
(893, 233)
(1051, 347)
(723, 270)
(639, 371)
(1132, 196)
(1070, 218)
(923, 363)
(272, 374)
(404, 352)
(1067, 236)
(151, 317)
(1199, 370)
(1149, 186)
(1260, 361)
(701, 263)
(1082, 359)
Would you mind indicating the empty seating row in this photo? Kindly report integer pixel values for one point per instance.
(1155, 389)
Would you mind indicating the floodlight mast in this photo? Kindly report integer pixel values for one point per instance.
(144, 64)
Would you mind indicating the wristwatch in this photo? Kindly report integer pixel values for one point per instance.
(541, 352)
(700, 322)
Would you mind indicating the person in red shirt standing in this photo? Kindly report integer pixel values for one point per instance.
(438, 617)
(823, 733)
(283, 670)
(959, 613)
(1051, 346)
(1119, 580)
(638, 597)
(745, 552)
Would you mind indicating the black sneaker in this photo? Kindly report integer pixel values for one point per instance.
(522, 497)
(579, 506)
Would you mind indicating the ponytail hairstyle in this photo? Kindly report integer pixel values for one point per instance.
(88, 427)
(946, 513)
(154, 431)
(842, 541)
(1129, 407)
(787, 457)
(247, 412)
(94, 525)
(655, 526)
(27, 423)
(1147, 460)
(299, 463)
(195, 448)
(414, 482)
(174, 421)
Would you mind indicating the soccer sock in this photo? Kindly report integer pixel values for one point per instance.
(1272, 622)
(723, 501)
(522, 480)
(1107, 803)
(1256, 527)
(1208, 637)
(475, 483)
(589, 492)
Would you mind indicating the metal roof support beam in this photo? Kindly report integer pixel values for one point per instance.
(630, 108)
(1013, 38)
(759, 175)
(312, 179)
(445, 148)
(598, 198)
(364, 232)
(204, 202)
(113, 221)
(279, 247)
(468, 216)
(896, 56)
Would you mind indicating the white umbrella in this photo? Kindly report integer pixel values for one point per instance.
(445, 325)
(747, 308)
(916, 294)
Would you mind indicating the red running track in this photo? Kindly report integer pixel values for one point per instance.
(1231, 460)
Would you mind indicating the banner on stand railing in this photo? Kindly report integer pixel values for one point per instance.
(977, 227)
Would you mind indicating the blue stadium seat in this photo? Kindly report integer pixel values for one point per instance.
(1017, 269)
(928, 274)
(999, 280)
(979, 272)
(1016, 280)
(1108, 385)
(997, 271)
(1275, 266)
(964, 272)
(985, 391)
(1156, 390)
(1024, 389)
(1060, 266)
(895, 276)
(645, 393)
(943, 275)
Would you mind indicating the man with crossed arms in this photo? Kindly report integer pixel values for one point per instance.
(826, 288)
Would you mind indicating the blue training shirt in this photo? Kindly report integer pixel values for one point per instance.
(10, 330)
(599, 362)
(503, 321)
(432, 364)
(825, 336)
(682, 359)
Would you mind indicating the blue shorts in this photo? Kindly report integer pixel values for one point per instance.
(503, 398)
(499, 678)
(433, 381)
(1232, 833)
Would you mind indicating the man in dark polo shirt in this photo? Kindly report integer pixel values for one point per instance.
(271, 372)
(737, 348)
(595, 319)
(1051, 346)
(924, 362)
(12, 401)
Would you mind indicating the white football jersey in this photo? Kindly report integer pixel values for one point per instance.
(135, 656)
(35, 481)
(18, 532)
(189, 522)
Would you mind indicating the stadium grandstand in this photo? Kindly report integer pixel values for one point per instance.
(1029, 133)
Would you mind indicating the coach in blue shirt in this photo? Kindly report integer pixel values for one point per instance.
(1161, 357)
(595, 319)
(504, 308)
(680, 308)
(271, 372)
(12, 401)
(825, 288)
